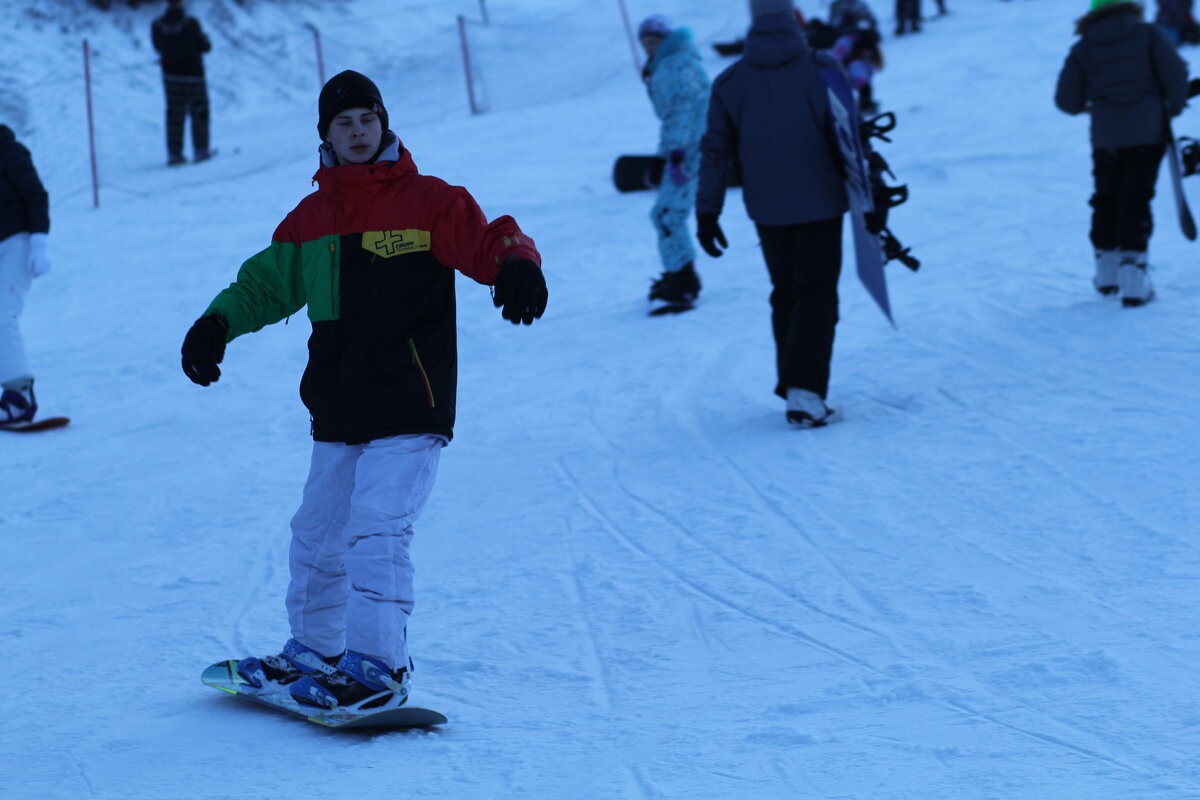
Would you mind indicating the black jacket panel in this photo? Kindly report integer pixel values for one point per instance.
(24, 204)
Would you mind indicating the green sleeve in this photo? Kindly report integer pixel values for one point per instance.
(269, 287)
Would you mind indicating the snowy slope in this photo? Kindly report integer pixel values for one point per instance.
(634, 581)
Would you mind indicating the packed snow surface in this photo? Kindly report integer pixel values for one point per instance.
(634, 580)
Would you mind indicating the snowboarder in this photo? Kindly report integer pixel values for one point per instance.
(1128, 77)
(678, 87)
(24, 229)
(908, 16)
(861, 57)
(847, 16)
(372, 253)
(793, 190)
(181, 45)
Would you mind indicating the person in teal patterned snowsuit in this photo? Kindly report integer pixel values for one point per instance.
(679, 89)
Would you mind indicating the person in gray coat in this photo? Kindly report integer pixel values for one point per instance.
(1127, 76)
(770, 111)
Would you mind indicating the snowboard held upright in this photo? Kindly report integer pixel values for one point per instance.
(224, 676)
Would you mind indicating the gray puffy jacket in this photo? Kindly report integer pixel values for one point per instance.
(770, 110)
(1123, 71)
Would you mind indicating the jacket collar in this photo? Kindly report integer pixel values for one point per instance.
(393, 163)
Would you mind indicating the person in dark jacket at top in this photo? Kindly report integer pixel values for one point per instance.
(181, 45)
(372, 254)
(24, 229)
(1126, 75)
(770, 111)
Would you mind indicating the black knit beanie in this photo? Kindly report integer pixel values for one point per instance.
(345, 90)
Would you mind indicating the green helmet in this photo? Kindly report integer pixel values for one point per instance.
(1102, 3)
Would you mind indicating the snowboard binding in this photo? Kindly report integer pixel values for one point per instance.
(1189, 154)
(884, 197)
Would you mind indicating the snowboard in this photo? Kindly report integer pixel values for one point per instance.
(47, 424)
(1186, 223)
(637, 173)
(224, 676)
(640, 173)
(868, 248)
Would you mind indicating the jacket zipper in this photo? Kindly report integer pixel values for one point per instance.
(333, 275)
(412, 346)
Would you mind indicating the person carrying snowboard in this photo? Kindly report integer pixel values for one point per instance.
(181, 45)
(1126, 75)
(24, 229)
(678, 87)
(372, 254)
(770, 110)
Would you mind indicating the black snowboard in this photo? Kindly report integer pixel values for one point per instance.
(637, 173)
(641, 173)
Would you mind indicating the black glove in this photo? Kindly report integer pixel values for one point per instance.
(521, 290)
(709, 233)
(203, 349)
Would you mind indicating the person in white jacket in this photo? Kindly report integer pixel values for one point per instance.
(24, 227)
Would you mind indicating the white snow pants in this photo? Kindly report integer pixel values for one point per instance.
(352, 578)
(14, 284)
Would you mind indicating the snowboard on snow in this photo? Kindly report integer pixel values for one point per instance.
(47, 424)
(1186, 223)
(868, 247)
(224, 676)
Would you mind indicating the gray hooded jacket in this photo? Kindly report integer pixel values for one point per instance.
(1123, 71)
(770, 110)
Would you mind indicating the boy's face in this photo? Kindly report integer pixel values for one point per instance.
(354, 135)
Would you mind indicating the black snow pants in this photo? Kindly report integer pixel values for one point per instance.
(908, 13)
(1125, 178)
(805, 262)
(187, 96)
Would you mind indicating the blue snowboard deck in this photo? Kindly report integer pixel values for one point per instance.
(224, 676)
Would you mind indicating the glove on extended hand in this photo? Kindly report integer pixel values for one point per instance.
(39, 262)
(521, 290)
(203, 349)
(675, 168)
(709, 233)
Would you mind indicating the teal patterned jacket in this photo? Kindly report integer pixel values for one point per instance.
(679, 88)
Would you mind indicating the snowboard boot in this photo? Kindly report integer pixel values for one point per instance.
(175, 159)
(1105, 280)
(1133, 279)
(807, 409)
(271, 674)
(675, 291)
(17, 403)
(359, 684)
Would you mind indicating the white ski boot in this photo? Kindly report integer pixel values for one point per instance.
(1133, 279)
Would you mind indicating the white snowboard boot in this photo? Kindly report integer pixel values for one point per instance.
(807, 409)
(1105, 280)
(1133, 279)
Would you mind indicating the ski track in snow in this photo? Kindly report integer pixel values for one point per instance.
(634, 581)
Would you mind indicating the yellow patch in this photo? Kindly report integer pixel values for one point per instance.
(395, 243)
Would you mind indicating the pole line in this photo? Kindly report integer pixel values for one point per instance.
(87, 82)
(320, 53)
(483, 12)
(466, 56)
(633, 48)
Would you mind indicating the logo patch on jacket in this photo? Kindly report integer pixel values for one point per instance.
(395, 243)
